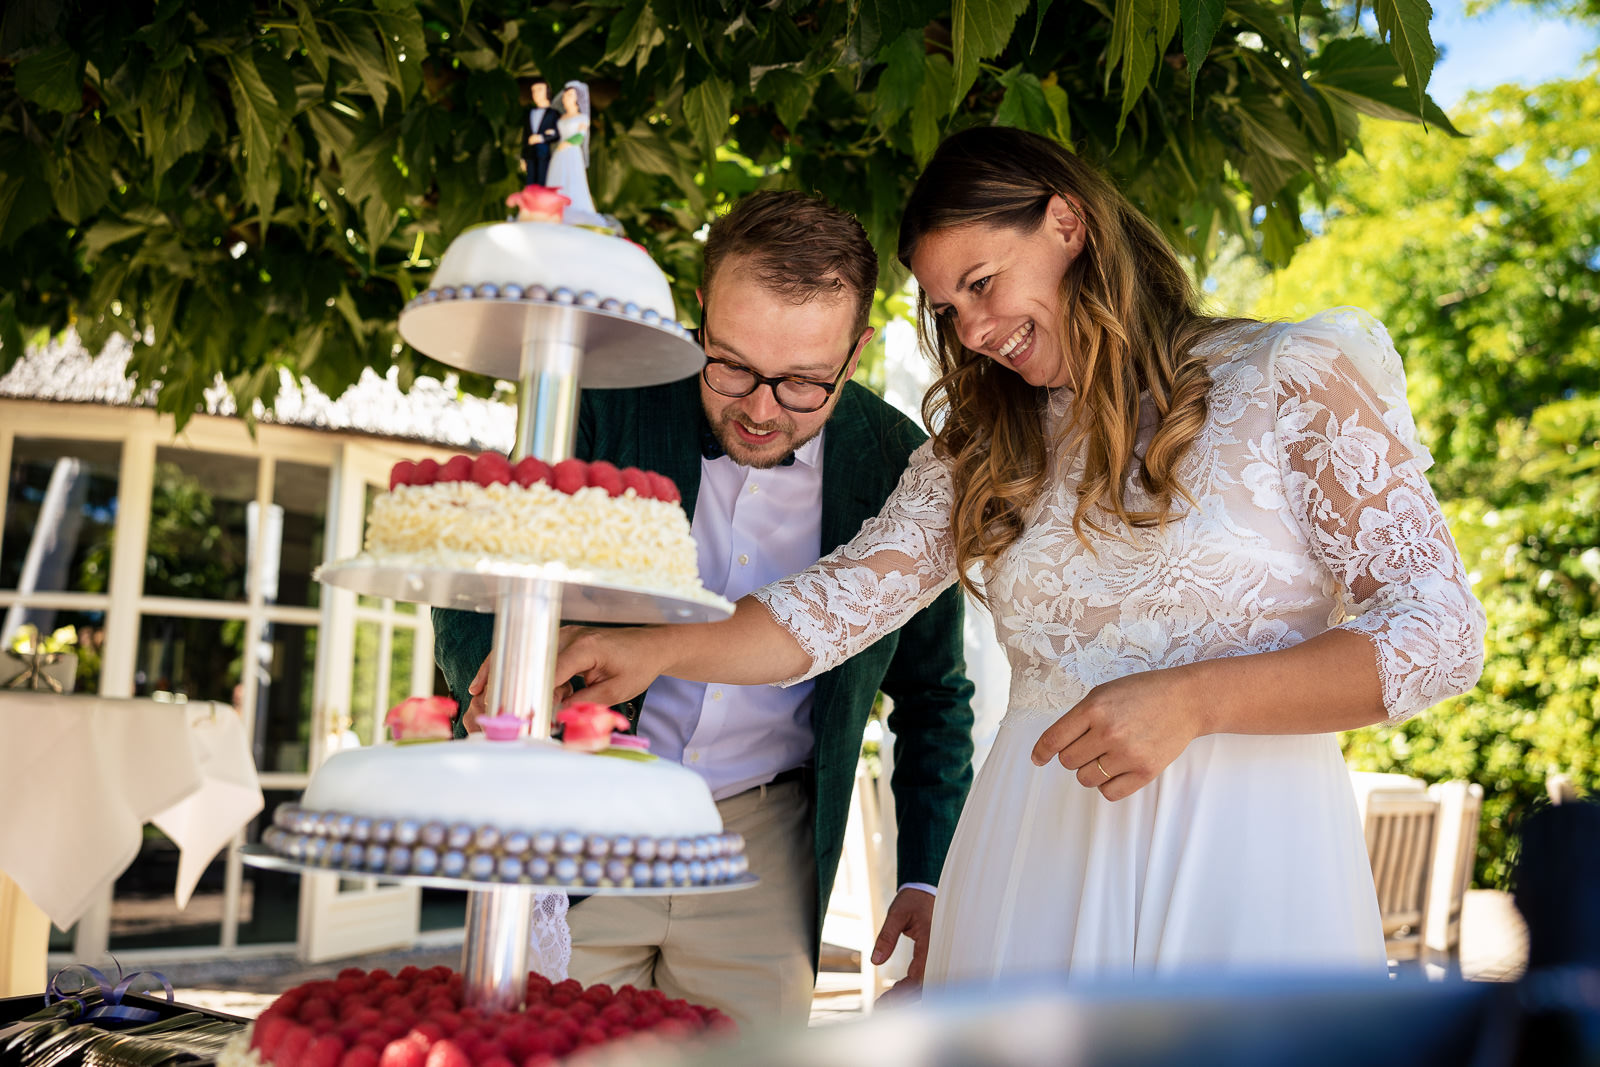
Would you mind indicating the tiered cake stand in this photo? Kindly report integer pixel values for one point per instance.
(552, 343)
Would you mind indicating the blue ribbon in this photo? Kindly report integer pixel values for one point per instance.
(111, 1006)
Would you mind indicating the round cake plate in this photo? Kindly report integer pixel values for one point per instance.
(264, 858)
(585, 598)
(486, 337)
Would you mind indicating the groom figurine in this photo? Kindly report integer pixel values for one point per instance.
(540, 137)
(780, 459)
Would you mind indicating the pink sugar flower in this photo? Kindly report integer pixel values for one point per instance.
(538, 203)
(421, 719)
(589, 726)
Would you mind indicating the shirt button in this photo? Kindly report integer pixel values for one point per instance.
(694, 757)
(716, 694)
(744, 560)
(755, 488)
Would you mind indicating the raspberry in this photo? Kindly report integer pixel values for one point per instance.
(401, 473)
(269, 1034)
(325, 1051)
(496, 1061)
(455, 469)
(430, 1029)
(616, 1013)
(663, 488)
(357, 972)
(403, 1052)
(593, 1034)
(603, 475)
(315, 1008)
(637, 480)
(411, 972)
(491, 468)
(293, 1046)
(447, 1054)
(427, 473)
(359, 1056)
(540, 1059)
(530, 469)
(569, 476)
(582, 1011)
(597, 994)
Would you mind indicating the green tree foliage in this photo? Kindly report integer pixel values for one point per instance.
(1482, 256)
(239, 185)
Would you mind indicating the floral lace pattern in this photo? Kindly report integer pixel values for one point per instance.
(1311, 511)
(550, 939)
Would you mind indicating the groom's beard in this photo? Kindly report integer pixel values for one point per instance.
(770, 453)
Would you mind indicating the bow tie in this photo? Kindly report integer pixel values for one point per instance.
(711, 448)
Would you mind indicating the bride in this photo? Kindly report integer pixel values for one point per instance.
(1207, 546)
(569, 162)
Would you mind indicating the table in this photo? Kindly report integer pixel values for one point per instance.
(79, 778)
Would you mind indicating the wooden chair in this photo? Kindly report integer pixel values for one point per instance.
(1454, 853)
(1400, 826)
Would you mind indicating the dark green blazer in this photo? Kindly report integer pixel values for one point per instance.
(920, 666)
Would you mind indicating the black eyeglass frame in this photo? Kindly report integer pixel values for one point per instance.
(828, 388)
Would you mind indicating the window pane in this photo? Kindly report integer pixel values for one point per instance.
(364, 717)
(200, 533)
(61, 510)
(400, 656)
(200, 658)
(269, 901)
(90, 637)
(300, 521)
(283, 705)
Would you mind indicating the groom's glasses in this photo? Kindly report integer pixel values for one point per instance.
(799, 395)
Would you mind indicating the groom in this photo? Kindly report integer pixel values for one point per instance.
(780, 458)
(540, 138)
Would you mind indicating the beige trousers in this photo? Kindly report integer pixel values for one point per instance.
(746, 952)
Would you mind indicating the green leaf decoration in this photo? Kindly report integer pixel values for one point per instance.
(1405, 24)
(706, 108)
(979, 30)
(1200, 19)
(790, 93)
(52, 78)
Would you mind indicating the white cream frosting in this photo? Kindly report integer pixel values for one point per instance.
(553, 255)
(515, 784)
(626, 540)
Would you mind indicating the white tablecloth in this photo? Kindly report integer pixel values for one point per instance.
(80, 776)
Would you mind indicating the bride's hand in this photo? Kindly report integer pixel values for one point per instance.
(1125, 732)
(616, 663)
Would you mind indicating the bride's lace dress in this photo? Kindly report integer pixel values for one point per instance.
(1312, 511)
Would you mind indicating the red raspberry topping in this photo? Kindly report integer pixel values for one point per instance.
(664, 489)
(325, 1051)
(570, 475)
(603, 475)
(530, 469)
(491, 468)
(427, 473)
(401, 473)
(455, 469)
(637, 480)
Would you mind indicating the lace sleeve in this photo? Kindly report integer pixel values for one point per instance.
(1354, 474)
(900, 561)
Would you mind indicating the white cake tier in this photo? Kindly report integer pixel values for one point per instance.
(548, 254)
(515, 785)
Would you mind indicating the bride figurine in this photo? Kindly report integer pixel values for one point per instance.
(569, 163)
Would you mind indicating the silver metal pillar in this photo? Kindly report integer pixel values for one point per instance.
(494, 960)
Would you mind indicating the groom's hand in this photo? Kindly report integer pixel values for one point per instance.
(479, 704)
(911, 914)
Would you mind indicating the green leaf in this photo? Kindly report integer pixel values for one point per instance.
(901, 79)
(1405, 24)
(175, 127)
(1200, 19)
(634, 33)
(107, 232)
(1140, 30)
(83, 177)
(25, 189)
(979, 31)
(689, 23)
(789, 93)
(352, 42)
(933, 105)
(1056, 97)
(52, 78)
(886, 20)
(1038, 23)
(1361, 74)
(706, 108)
(311, 40)
(1024, 105)
(263, 94)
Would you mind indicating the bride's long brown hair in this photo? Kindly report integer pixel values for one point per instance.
(1129, 324)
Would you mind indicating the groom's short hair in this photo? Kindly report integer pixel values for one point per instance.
(798, 245)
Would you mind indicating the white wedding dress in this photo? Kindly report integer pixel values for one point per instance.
(1246, 852)
(569, 172)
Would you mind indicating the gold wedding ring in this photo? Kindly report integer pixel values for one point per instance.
(1102, 770)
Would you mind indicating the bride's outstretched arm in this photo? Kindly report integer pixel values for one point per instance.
(617, 664)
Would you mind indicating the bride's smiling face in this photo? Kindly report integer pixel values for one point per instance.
(1001, 289)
